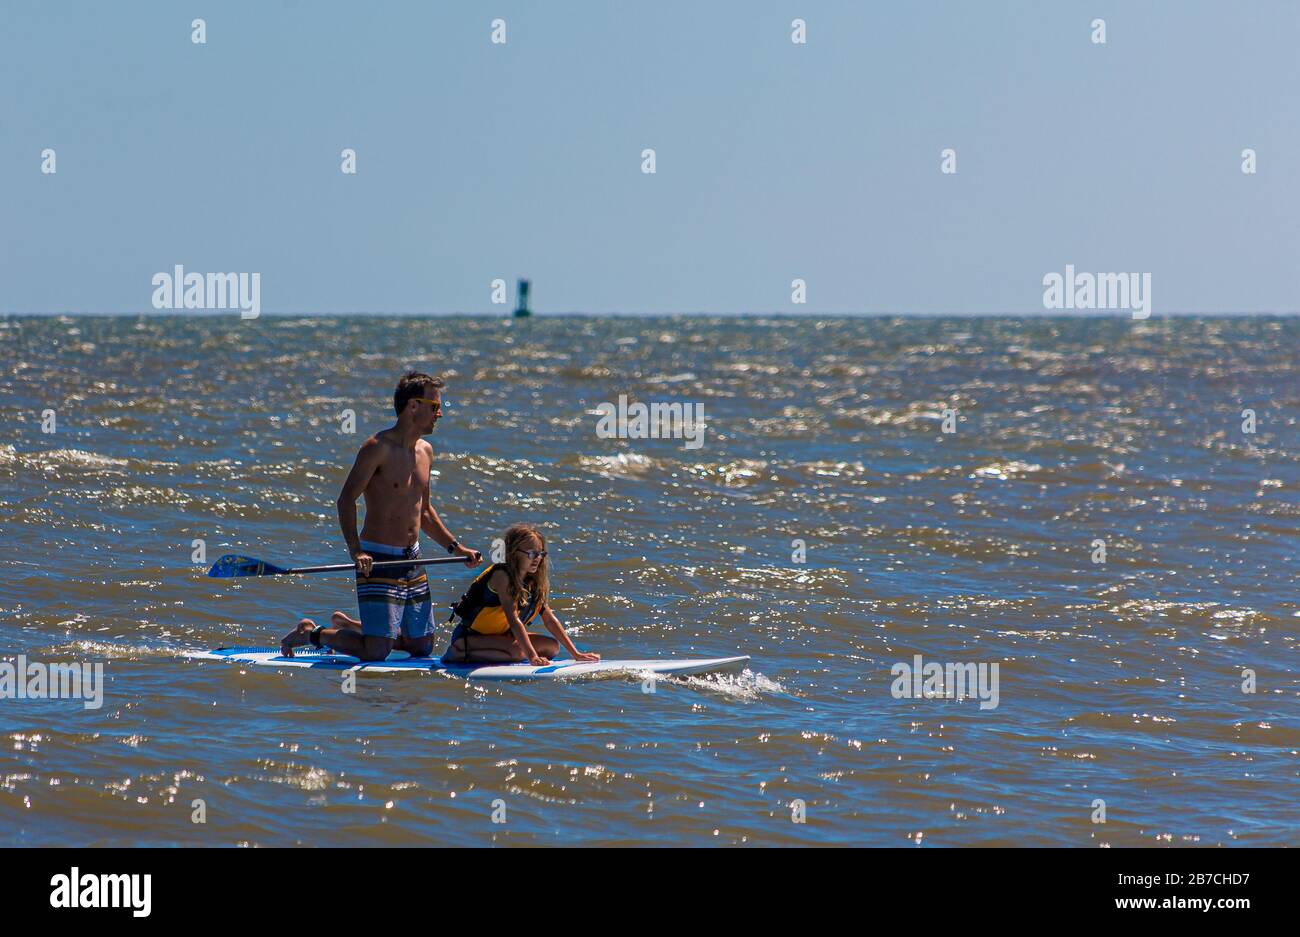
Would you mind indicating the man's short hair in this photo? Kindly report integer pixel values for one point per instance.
(412, 385)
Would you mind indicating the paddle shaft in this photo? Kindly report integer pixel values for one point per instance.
(339, 567)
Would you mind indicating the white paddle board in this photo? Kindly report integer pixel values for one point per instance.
(400, 661)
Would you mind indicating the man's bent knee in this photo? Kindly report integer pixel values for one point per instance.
(375, 649)
(418, 647)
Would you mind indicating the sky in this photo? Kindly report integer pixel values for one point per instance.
(774, 160)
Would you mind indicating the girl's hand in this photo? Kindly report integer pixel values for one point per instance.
(538, 660)
(586, 657)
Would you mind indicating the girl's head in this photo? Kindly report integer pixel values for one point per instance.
(526, 562)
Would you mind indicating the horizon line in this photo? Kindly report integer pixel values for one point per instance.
(1046, 314)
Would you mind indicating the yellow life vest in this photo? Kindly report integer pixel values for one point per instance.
(479, 609)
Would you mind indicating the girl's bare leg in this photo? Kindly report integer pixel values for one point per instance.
(547, 646)
(499, 649)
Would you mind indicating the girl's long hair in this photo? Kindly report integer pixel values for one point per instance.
(539, 583)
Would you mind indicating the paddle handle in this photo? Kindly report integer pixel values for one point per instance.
(339, 567)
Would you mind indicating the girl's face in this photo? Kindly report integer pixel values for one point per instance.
(534, 547)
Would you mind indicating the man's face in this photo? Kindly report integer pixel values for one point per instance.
(428, 414)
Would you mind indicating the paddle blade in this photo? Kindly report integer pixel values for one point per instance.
(233, 565)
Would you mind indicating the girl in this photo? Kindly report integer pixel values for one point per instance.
(498, 605)
(501, 601)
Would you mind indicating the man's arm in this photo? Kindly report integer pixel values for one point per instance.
(432, 524)
(367, 463)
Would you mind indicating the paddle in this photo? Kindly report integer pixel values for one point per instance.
(234, 565)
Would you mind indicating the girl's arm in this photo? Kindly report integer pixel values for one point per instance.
(554, 627)
(501, 586)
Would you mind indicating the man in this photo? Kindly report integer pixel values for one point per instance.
(392, 472)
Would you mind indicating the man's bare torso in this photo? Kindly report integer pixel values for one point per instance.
(395, 492)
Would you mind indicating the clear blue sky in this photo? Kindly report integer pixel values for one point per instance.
(775, 161)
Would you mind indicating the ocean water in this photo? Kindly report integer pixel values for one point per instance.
(1122, 681)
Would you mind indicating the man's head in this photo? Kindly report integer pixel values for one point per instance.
(419, 398)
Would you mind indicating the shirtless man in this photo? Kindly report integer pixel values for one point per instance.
(392, 472)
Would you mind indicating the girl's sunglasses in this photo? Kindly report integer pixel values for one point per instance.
(534, 554)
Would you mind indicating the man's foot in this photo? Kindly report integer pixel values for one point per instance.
(300, 635)
(340, 620)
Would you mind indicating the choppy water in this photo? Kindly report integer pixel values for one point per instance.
(1120, 681)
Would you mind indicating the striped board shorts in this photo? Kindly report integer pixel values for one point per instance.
(395, 600)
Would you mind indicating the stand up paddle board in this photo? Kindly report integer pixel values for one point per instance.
(400, 661)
